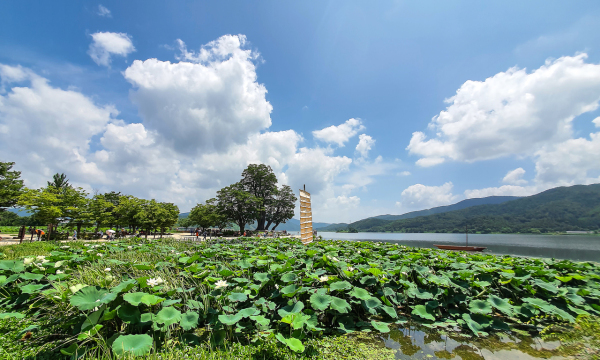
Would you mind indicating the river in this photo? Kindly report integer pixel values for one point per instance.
(572, 247)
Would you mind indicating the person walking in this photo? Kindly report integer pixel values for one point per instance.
(74, 234)
(204, 235)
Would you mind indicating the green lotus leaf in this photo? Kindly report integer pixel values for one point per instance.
(575, 299)
(143, 266)
(189, 320)
(262, 277)
(289, 277)
(422, 311)
(238, 297)
(550, 287)
(340, 285)
(564, 278)
(379, 326)
(295, 345)
(480, 307)
(390, 311)
(340, 305)
(540, 304)
(134, 298)
(368, 280)
(372, 303)
(30, 276)
(226, 272)
(562, 314)
(136, 345)
(291, 309)
(124, 286)
(150, 300)
(32, 288)
(419, 293)
(11, 315)
(91, 297)
(76, 288)
(359, 293)
(168, 316)
(147, 317)
(248, 312)
(320, 302)
(230, 319)
(170, 302)
(92, 319)
(129, 313)
(501, 304)
(482, 284)
(261, 320)
(12, 265)
(475, 327)
(240, 280)
(290, 289)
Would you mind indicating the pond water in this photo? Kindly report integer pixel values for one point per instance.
(572, 247)
(411, 343)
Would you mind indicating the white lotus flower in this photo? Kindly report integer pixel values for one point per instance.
(154, 281)
(28, 260)
(60, 272)
(107, 269)
(40, 257)
(221, 284)
(65, 247)
(334, 258)
(98, 254)
(324, 278)
(130, 247)
(350, 268)
(172, 251)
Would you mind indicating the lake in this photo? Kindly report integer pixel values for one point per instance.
(572, 247)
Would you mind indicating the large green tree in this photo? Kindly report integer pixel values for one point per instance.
(281, 208)
(59, 181)
(168, 214)
(238, 205)
(149, 215)
(260, 181)
(11, 186)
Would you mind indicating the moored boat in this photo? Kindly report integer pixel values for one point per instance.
(458, 247)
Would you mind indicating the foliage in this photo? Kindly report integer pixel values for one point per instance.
(260, 181)
(238, 205)
(10, 186)
(266, 289)
(281, 208)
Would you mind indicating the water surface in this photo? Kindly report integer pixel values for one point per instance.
(572, 247)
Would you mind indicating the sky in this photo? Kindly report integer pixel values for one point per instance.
(378, 108)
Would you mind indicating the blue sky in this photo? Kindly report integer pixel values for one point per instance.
(389, 65)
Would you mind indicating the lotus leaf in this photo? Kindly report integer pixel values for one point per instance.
(11, 315)
(189, 320)
(290, 289)
(124, 286)
(289, 277)
(168, 316)
(30, 276)
(340, 305)
(475, 327)
(136, 345)
(248, 312)
(149, 299)
(359, 293)
(320, 302)
(340, 285)
(261, 320)
(550, 287)
(501, 304)
(262, 277)
(480, 307)
(134, 298)
(129, 313)
(91, 297)
(238, 297)
(422, 311)
(380, 326)
(230, 319)
(12, 265)
(291, 309)
(32, 288)
(390, 311)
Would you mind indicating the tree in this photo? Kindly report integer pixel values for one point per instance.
(128, 209)
(59, 181)
(220, 220)
(46, 203)
(202, 215)
(99, 210)
(168, 214)
(260, 181)
(148, 216)
(281, 208)
(75, 207)
(11, 187)
(238, 205)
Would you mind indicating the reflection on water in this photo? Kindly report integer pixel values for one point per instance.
(412, 343)
(572, 247)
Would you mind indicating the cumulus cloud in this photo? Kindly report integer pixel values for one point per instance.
(106, 44)
(419, 196)
(365, 142)
(103, 11)
(511, 113)
(504, 190)
(340, 134)
(515, 177)
(596, 122)
(208, 102)
(404, 173)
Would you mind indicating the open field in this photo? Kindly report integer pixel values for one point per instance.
(274, 297)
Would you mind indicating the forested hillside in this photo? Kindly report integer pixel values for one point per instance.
(559, 209)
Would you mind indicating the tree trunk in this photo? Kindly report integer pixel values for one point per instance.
(241, 225)
(268, 224)
(276, 225)
(162, 230)
(78, 229)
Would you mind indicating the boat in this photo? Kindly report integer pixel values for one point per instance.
(460, 247)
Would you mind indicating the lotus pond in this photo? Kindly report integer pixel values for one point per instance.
(135, 298)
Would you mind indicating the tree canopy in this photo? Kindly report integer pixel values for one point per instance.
(11, 186)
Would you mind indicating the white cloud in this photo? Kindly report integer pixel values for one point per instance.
(419, 196)
(596, 122)
(339, 134)
(206, 105)
(365, 142)
(404, 173)
(515, 177)
(106, 44)
(511, 113)
(504, 190)
(103, 11)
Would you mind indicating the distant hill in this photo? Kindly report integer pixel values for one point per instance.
(559, 209)
(381, 220)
